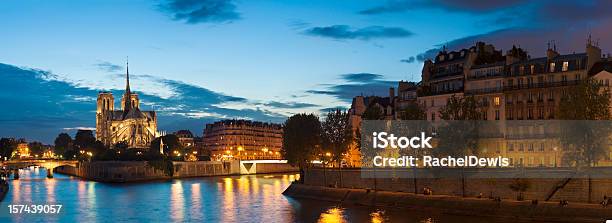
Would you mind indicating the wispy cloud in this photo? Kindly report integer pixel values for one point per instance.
(409, 60)
(48, 105)
(201, 11)
(395, 6)
(108, 67)
(344, 32)
(356, 84)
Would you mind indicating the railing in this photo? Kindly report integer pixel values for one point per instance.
(541, 85)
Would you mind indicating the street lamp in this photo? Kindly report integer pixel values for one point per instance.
(555, 149)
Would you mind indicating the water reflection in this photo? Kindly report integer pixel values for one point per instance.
(332, 215)
(253, 198)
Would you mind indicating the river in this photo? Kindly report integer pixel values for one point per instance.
(251, 198)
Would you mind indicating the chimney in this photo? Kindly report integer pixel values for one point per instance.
(551, 53)
(593, 54)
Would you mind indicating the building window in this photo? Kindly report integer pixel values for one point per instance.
(532, 69)
(542, 147)
(484, 115)
(530, 113)
(552, 68)
(510, 147)
(433, 116)
(565, 66)
(497, 101)
(530, 147)
(521, 149)
(521, 70)
(496, 114)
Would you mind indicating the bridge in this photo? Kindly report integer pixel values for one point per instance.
(49, 164)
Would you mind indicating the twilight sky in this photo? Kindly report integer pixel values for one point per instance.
(197, 61)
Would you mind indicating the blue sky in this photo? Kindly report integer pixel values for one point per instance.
(197, 61)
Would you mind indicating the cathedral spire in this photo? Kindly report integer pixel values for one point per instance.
(128, 94)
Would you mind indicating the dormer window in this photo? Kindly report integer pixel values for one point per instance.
(441, 58)
(565, 66)
(450, 56)
(552, 67)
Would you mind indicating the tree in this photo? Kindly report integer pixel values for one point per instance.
(585, 142)
(301, 139)
(63, 145)
(336, 133)
(84, 139)
(7, 146)
(460, 108)
(586, 101)
(373, 112)
(459, 136)
(36, 148)
(413, 111)
(171, 144)
(520, 186)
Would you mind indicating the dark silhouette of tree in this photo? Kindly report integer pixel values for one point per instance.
(413, 111)
(84, 139)
(301, 139)
(520, 186)
(7, 146)
(585, 142)
(336, 134)
(459, 134)
(171, 144)
(373, 112)
(36, 148)
(64, 146)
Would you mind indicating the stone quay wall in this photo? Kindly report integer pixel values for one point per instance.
(510, 210)
(573, 189)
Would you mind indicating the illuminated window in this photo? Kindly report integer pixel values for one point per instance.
(496, 100)
(552, 67)
(532, 68)
(565, 66)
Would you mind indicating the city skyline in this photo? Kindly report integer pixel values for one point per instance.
(284, 58)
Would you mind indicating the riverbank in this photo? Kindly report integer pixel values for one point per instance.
(139, 171)
(524, 210)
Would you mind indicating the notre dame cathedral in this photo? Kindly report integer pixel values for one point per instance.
(130, 125)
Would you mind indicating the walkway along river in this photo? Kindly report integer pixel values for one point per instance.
(247, 198)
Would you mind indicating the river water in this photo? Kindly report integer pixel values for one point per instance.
(252, 198)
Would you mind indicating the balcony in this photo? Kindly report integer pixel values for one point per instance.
(541, 85)
(484, 91)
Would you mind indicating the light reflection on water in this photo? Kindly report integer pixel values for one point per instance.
(252, 198)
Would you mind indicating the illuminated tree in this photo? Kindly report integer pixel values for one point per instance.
(336, 134)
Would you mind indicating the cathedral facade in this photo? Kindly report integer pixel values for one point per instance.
(130, 125)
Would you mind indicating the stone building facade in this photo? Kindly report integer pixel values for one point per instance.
(130, 125)
(511, 89)
(243, 140)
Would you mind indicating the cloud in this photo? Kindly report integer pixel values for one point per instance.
(409, 60)
(344, 32)
(477, 6)
(326, 110)
(108, 67)
(361, 77)
(358, 84)
(46, 106)
(79, 128)
(201, 11)
(277, 104)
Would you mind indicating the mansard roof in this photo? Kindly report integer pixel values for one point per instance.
(600, 66)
